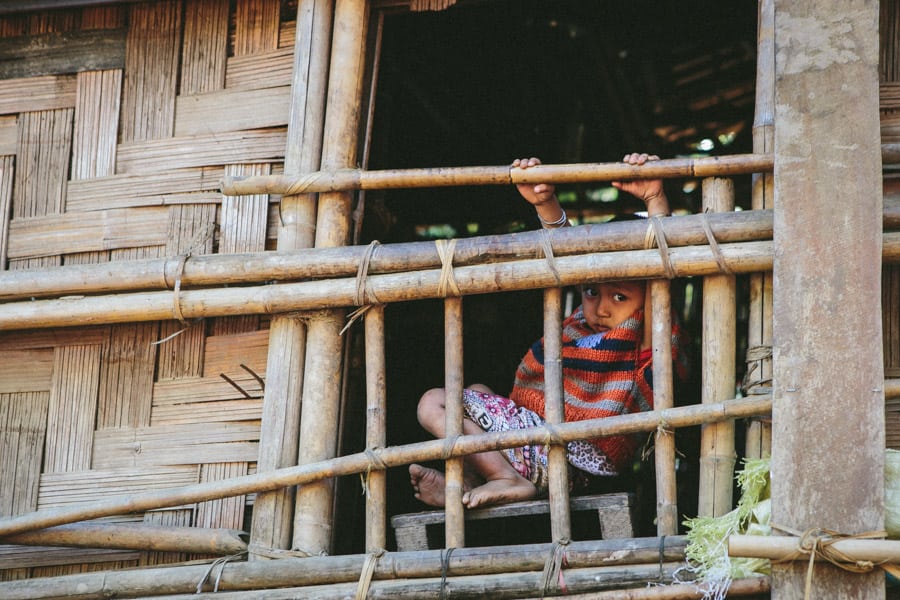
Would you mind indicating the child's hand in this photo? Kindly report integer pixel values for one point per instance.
(649, 190)
(535, 193)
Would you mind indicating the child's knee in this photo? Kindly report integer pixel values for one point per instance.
(431, 406)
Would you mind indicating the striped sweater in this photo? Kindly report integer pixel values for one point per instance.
(603, 376)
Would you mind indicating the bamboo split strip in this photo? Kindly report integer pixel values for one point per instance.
(8, 134)
(260, 70)
(198, 390)
(48, 338)
(23, 426)
(27, 370)
(132, 536)
(22, 557)
(68, 233)
(220, 411)
(313, 263)
(29, 94)
(59, 490)
(311, 295)
(357, 179)
(156, 156)
(889, 95)
(175, 445)
(56, 53)
(121, 191)
(383, 458)
(757, 587)
(237, 355)
(318, 570)
(232, 110)
(788, 548)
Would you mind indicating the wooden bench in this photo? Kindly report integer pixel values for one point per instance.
(613, 510)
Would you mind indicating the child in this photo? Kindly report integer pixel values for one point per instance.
(606, 371)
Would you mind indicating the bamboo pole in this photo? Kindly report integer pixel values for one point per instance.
(313, 518)
(758, 443)
(663, 398)
(778, 547)
(130, 536)
(357, 179)
(747, 586)
(455, 524)
(376, 428)
(317, 570)
(313, 295)
(387, 457)
(717, 452)
(499, 585)
(317, 263)
(557, 459)
(279, 430)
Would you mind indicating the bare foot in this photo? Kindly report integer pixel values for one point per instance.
(428, 484)
(499, 491)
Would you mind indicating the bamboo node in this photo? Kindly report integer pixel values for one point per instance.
(303, 184)
(552, 580)
(448, 446)
(714, 245)
(552, 438)
(547, 249)
(817, 542)
(445, 250)
(362, 274)
(365, 575)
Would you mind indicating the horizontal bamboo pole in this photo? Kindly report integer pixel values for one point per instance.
(358, 179)
(394, 456)
(397, 287)
(779, 547)
(130, 536)
(318, 570)
(316, 263)
(747, 586)
(499, 586)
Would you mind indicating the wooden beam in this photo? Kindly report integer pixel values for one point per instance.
(828, 386)
(60, 53)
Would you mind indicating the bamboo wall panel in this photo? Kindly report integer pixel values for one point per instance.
(204, 50)
(175, 445)
(232, 110)
(260, 70)
(257, 24)
(201, 150)
(226, 512)
(202, 390)
(96, 123)
(47, 556)
(25, 370)
(37, 93)
(23, 422)
(49, 338)
(163, 188)
(56, 234)
(126, 376)
(226, 354)
(62, 52)
(151, 65)
(42, 155)
(73, 408)
(65, 489)
(9, 132)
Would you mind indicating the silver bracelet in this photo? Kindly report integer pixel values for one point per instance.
(557, 223)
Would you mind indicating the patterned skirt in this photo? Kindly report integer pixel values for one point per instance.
(495, 413)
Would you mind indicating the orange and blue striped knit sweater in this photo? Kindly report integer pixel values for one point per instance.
(601, 377)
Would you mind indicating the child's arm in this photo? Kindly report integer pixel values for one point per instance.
(542, 196)
(650, 191)
(654, 196)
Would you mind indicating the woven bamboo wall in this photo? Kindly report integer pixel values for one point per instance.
(115, 127)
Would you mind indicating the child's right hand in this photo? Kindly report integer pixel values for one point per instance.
(649, 190)
(535, 193)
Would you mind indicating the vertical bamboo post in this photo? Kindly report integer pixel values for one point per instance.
(663, 397)
(453, 386)
(560, 520)
(717, 453)
(759, 339)
(313, 512)
(279, 430)
(376, 428)
(828, 370)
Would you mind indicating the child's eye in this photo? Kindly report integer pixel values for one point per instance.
(590, 291)
(620, 297)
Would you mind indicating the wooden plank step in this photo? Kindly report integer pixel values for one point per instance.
(614, 511)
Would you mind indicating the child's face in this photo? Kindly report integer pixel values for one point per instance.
(607, 305)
